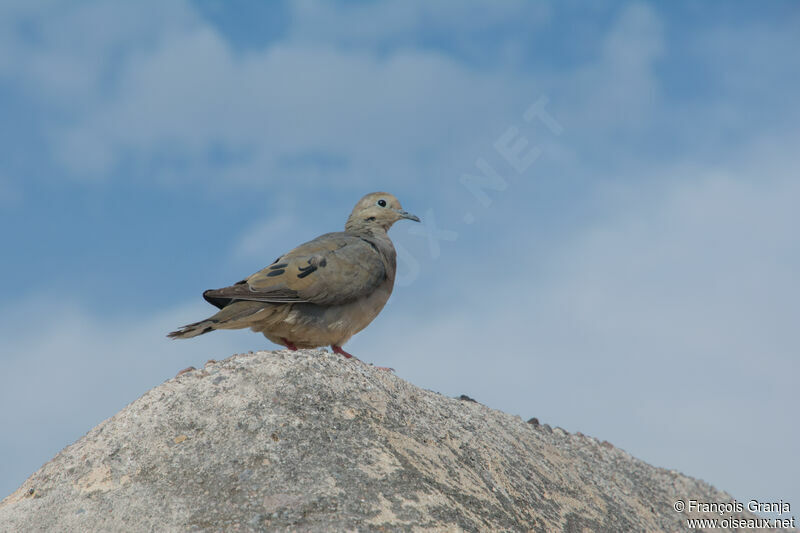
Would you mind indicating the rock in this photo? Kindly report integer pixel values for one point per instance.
(310, 441)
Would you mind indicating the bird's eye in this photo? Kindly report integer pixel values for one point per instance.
(382, 203)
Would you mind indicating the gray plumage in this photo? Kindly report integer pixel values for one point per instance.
(321, 293)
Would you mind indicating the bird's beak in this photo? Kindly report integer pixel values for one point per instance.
(409, 216)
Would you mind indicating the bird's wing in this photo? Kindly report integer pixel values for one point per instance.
(335, 268)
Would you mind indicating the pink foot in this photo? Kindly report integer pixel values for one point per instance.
(338, 349)
(289, 345)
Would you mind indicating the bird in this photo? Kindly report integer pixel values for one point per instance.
(322, 292)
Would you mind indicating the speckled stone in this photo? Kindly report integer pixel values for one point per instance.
(310, 441)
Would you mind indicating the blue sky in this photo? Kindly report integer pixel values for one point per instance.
(630, 273)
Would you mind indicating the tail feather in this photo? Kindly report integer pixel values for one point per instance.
(192, 330)
(237, 315)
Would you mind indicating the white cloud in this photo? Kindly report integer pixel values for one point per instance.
(620, 88)
(155, 103)
(64, 54)
(404, 22)
(304, 112)
(286, 111)
(267, 238)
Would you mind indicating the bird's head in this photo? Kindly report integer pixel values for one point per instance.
(376, 210)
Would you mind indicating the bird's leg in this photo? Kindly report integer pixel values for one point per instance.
(288, 344)
(338, 349)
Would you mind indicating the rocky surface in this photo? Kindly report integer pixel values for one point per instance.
(310, 441)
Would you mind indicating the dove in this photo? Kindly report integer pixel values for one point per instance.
(322, 292)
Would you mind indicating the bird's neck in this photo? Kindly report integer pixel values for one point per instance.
(377, 237)
(366, 229)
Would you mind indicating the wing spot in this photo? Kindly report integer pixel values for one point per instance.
(317, 260)
(282, 265)
(275, 273)
(306, 271)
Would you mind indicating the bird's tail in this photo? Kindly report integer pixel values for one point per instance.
(237, 315)
(192, 330)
